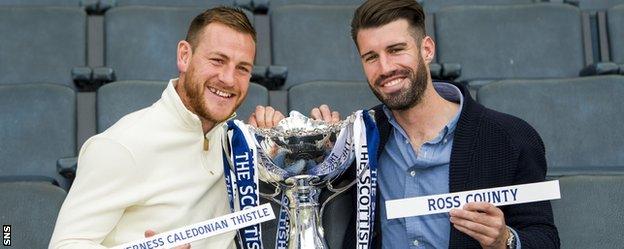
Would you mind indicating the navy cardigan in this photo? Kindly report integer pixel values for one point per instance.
(490, 149)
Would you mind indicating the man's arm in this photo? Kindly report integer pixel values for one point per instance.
(532, 221)
(106, 183)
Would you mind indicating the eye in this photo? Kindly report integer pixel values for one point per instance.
(243, 69)
(394, 50)
(217, 61)
(370, 58)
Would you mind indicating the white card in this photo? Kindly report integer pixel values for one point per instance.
(443, 203)
(204, 229)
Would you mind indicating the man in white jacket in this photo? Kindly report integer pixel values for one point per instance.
(161, 168)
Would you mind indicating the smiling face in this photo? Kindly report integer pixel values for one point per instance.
(214, 75)
(394, 63)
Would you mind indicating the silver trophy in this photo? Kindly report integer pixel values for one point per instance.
(300, 157)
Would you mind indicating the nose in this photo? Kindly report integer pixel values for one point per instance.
(385, 65)
(227, 75)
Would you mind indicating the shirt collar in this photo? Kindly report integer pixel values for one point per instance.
(448, 92)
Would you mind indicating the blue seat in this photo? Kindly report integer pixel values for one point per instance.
(41, 44)
(31, 209)
(313, 42)
(615, 20)
(37, 127)
(578, 119)
(590, 211)
(511, 41)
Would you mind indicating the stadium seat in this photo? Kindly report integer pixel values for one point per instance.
(615, 20)
(117, 99)
(577, 118)
(277, 3)
(31, 209)
(314, 42)
(593, 5)
(176, 3)
(38, 127)
(511, 41)
(344, 97)
(589, 213)
(141, 41)
(432, 6)
(69, 3)
(41, 44)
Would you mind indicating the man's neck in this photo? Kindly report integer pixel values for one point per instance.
(424, 121)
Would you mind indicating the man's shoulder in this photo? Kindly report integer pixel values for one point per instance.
(516, 129)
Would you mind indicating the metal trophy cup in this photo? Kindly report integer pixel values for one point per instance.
(299, 157)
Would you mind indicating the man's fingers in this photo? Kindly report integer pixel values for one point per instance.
(149, 233)
(252, 120)
(277, 116)
(260, 118)
(483, 239)
(335, 117)
(185, 246)
(325, 113)
(316, 114)
(484, 207)
(475, 226)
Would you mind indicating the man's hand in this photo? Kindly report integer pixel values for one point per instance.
(149, 233)
(265, 117)
(483, 222)
(325, 114)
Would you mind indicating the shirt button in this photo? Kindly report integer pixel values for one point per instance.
(413, 173)
(406, 141)
(415, 242)
(445, 140)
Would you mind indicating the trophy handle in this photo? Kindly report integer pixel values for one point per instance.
(331, 197)
(271, 197)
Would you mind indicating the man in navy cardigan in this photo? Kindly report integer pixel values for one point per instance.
(436, 139)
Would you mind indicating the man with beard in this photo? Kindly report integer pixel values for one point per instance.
(436, 139)
(161, 168)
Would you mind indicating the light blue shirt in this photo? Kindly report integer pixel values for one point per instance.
(404, 173)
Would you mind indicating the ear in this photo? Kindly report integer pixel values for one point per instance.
(427, 49)
(184, 54)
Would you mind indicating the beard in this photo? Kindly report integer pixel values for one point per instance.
(406, 98)
(195, 90)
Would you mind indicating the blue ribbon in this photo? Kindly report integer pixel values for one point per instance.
(247, 189)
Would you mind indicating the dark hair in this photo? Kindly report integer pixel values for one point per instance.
(376, 13)
(231, 17)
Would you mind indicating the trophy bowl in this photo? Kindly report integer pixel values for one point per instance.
(299, 157)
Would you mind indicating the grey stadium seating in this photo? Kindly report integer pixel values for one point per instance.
(577, 118)
(37, 127)
(511, 41)
(595, 4)
(176, 3)
(31, 209)
(141, 41)
(117, 99)
(431, 6)
(344, 97)
(276, 3)
(314, 43)
(590, 211)
(41, 44)
(74, 3)
(615, 19)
